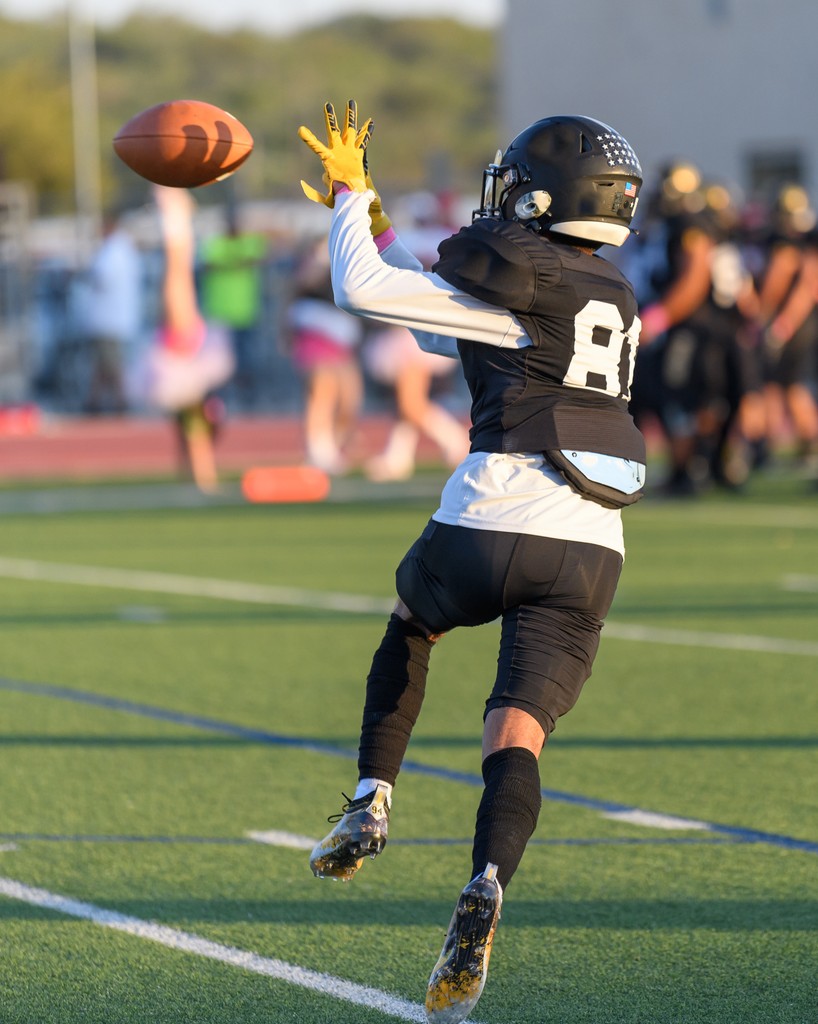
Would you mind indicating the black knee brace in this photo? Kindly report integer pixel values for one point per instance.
(395, 688)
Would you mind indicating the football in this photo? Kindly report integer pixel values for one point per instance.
(183, 143)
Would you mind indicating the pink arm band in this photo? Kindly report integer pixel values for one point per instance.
(385, 239)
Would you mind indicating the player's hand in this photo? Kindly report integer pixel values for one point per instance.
(343, 155)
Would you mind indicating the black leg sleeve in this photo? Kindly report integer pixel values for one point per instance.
(395, 688)
(508, 811)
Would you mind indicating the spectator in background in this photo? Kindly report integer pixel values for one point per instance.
(392, 358)
(189, 359)
(324, 345)
(232, 287)
(112, 314)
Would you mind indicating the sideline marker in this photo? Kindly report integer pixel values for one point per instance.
(269, 484)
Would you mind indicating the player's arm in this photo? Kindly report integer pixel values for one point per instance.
(688, 291)
(781, 272)
(800, 302)
(363, 282)
(395, 254)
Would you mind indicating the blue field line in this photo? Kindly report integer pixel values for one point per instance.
(46, 837)
(416, 767)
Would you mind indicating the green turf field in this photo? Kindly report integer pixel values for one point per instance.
(174, 680)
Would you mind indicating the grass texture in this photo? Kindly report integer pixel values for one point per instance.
(145, 735)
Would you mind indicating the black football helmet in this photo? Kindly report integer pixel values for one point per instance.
(792, 211)
(570, 175)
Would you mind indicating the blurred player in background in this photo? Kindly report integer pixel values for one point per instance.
(789, 297)
(699, 370)
(678, 244)
(529, 525)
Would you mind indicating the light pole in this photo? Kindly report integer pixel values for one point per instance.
(85, 118)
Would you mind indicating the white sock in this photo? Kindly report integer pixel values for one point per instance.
(366, 786)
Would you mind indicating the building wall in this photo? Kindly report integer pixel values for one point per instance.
(731, 85)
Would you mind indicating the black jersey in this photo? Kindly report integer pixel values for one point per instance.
(671, 234)
(570, 388)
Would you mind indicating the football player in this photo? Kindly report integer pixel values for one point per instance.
(789, 299)
(698, 367)
(529, 525)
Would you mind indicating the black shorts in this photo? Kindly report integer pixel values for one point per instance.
(551, 596)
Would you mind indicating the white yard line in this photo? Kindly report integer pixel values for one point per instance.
(193, 586)
(698, 638)
(650, 819)
(356, 604)
(186, 942)
(287, 840)
(766, 517)
(800, 583)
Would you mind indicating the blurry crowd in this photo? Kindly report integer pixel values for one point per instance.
(726, 379)
(269, 302)
(338, 353)
(727, 367)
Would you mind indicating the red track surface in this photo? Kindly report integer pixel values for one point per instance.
(93, 449)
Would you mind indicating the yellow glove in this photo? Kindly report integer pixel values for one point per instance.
(343, 155)
(378, 220)
(317, 197)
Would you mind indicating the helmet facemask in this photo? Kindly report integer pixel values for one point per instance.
(499, 181)
(498, 178)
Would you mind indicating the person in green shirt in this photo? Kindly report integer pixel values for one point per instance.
(232, 294)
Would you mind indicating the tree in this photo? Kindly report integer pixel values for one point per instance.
(429, 83)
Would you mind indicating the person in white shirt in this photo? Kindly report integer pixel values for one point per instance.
(113, 317)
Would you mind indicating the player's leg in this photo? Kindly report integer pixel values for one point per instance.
(546, 653)
(415, 405)
(198, 438)
(395, 688)
(319, 418)
(435, 596)
(506, 818)
(350, 400)
(679, 402)
(181, 309)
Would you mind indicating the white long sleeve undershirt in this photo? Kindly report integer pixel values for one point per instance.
(393, 287)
